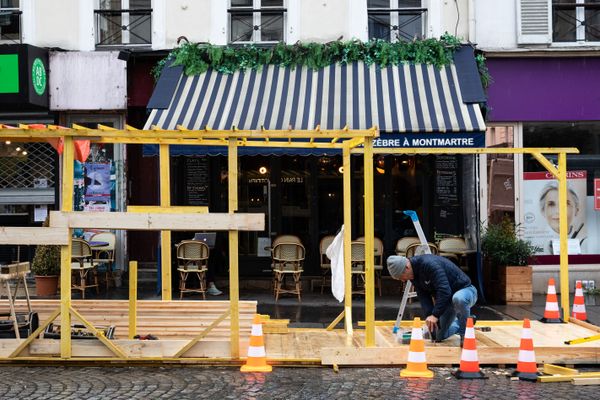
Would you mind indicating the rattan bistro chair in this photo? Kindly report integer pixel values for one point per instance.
(288, 260)
(82, 264)
(403, 243)
(357, 262)
(105, 254)
(280, 239)
(449, 247)
(378, 260)
(192, 258)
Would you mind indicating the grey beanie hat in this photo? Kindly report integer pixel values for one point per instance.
(396, 265)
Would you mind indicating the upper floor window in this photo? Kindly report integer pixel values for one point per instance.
(395, 20)
(256, 21)
(10, 21)
(124, 22)
(575, 20)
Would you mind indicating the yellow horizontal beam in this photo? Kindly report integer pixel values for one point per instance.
(480, 323)
(551, 369)
(567, 378)
(168, 209)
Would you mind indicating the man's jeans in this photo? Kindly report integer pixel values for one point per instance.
(454, 320)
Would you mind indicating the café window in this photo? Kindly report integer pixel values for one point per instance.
(260, 21)
(396, 20)
(540, 208)
(10, 21)
(123, 22)
(575, 21)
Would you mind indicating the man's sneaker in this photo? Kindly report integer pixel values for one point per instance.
(213, 291)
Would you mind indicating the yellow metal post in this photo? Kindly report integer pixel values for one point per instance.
(65, 251)
(165, 236)
(347, 191)
(132, 298)
(369, 235)
(234, 291)
(563, 228)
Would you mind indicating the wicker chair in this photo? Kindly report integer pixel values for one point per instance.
(324, 261)
(82, 264)
(288, 260)
(192, 258)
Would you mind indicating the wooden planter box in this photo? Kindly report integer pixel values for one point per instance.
(515, 285)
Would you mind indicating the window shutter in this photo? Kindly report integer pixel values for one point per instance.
(534, 21)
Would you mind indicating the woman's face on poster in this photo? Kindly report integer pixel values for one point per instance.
(551, 209)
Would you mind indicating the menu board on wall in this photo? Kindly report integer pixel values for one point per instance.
(196, 181)
(446, 183)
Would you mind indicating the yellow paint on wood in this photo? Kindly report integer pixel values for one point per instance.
(168, 210)
(33, 235)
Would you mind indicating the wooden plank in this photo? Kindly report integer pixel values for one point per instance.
(552, 369)
(33, 235)
(158, 221)
(585, 381)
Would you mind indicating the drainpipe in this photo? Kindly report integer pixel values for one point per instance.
(472, 27)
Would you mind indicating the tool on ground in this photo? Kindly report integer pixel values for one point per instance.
(416, 366)
(526, 365)
(551, 312)
(408, 286)
(583, 340)
(469, 360)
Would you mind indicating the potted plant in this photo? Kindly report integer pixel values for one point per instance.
(46, 268)
(509, 257)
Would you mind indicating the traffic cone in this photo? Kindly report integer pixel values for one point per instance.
(416, 367)
(257, 356)
(579, 303)
(551, 313)
(469, 361)
(526, 366)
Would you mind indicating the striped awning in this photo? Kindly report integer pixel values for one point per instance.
(399, 99)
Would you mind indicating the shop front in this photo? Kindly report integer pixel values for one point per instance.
(300, 190)
(28, 171)
(553, 102)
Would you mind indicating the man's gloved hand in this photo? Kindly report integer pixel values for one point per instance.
(431, 323)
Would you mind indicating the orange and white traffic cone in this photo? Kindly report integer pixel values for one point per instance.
(416, 367)
(579, 303)
(469, 361)
(551, 313)
(257, 356)
(526, 365)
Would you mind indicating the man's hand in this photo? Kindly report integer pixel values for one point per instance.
(431, 323)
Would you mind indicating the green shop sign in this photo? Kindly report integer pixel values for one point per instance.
(9, 73)
(38, 76)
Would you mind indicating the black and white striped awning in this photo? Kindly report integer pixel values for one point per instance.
(397, 99)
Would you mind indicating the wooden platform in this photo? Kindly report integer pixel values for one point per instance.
(175, 323)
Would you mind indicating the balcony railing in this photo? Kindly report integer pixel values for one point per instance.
(10, 25)
(397, 23)
(123, 27)
(576, 22)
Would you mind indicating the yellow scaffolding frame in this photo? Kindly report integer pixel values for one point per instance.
(346, 140)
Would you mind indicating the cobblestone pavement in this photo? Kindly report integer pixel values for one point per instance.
(282, 383)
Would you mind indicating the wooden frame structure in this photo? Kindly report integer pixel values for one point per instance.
(153, 218)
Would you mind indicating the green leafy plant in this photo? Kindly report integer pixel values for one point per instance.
(501, 245)
(197, 58)
(592, 292)
(46, 261)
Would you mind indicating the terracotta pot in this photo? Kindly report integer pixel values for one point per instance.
(46, 285)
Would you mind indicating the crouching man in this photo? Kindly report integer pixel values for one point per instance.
(445, 292)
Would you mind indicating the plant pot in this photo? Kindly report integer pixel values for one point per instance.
(46, 285)
(515, 284)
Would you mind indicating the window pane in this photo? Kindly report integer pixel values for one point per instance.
(409, 27)
(241, 3)
(10, 26)
(409, 3)
(271, 27)
(592, 24)
(140, 29)
(9, 3)
(564, 27)
(137, 4)
(379, 27)
(110, 4)
(271, 3)
(378, 3)
(241, 28)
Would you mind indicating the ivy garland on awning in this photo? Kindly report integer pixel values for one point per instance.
(197, 58)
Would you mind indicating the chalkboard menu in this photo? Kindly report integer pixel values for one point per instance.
(196, 181)
(446, 184)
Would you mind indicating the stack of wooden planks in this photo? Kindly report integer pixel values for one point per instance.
(163, 319)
